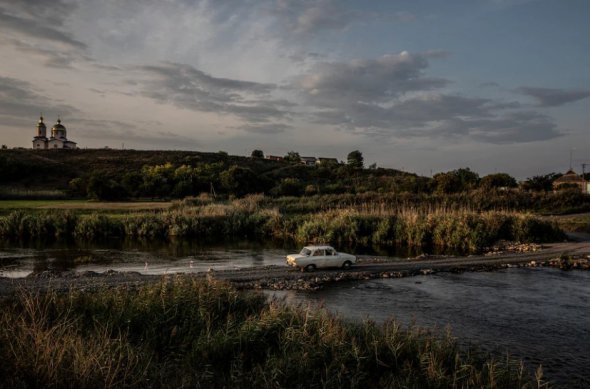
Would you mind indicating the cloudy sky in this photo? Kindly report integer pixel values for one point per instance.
(419, 85)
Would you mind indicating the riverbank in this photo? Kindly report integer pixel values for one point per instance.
(566, 255)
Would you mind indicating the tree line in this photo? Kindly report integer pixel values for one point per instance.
(289, 178)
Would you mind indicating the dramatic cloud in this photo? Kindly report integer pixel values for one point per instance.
(368, 81)
(548, 97)
(19, 99)
(190, 88)
(392, 97)
(250, 72)
(39, 20)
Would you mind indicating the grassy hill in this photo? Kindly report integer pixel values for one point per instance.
(23, 169)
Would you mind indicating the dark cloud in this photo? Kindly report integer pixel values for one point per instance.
(548, 97)
(392, 97)
(368, 81)
(20, 99)
(190, 88)
(514, 127)
(36, 19)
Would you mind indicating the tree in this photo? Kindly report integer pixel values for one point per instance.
(185, 181)
(541, 183)
(355, 159)
(239, 181)
(132, 182)
(157, 179)
(292, 157)
(498, 180)
(455, 181)
(257, 154)
(102, 187)
(289, 187)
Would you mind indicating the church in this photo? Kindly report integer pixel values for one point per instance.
(58, 139)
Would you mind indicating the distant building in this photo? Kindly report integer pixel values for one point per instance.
(326, 161)
(58, 139)
(308, 161)
(570, 180)
(274, 157)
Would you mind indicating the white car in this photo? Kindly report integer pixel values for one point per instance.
(314, 257)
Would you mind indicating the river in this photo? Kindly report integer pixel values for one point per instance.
(539, 315)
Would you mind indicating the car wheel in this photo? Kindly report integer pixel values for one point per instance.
(346, 265)
(310, 268)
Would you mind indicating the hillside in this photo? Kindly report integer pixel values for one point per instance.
(54, 169)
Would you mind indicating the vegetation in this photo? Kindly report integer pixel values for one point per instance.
(193, 333)
(258, 217)
(130, 175)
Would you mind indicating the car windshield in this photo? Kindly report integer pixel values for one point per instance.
(305, 252)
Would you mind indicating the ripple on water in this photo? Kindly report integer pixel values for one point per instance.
(539, 315)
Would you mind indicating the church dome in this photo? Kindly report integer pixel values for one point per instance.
(58, 130)
(41, 129)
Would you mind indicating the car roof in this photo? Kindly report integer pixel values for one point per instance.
(318, 247)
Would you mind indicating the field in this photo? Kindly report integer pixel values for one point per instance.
(82, 206)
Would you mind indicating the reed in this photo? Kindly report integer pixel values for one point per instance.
(256, 217)
(188, 332)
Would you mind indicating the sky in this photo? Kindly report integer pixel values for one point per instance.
(419, 85)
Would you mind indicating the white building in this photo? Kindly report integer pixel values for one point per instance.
(58, 139)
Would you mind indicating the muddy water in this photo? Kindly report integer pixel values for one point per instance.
(539, 315)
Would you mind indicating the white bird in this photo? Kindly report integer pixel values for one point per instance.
(146, 266)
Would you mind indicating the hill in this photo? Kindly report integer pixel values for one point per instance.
(55, 170)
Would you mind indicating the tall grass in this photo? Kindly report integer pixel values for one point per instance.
(31, 194)
(192, 333)
(256, 217)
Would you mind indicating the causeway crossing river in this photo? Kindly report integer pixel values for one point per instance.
(539, 315)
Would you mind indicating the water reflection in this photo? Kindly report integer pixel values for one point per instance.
(18, 259)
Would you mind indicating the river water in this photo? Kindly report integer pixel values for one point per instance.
(541, 316)
(143, 257)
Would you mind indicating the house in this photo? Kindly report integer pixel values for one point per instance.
(571, 180)
(274, 157)
(308, 161)
(327, 161)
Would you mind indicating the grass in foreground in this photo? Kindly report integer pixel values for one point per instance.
(193, 333)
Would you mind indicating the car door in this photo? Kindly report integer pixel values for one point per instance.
(332, 258)
(319, 258)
